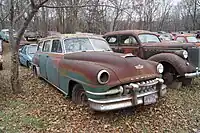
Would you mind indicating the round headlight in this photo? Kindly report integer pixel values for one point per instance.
(185, 54)
(103, 77)
(160, 68)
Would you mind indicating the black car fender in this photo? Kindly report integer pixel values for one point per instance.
(181, 65)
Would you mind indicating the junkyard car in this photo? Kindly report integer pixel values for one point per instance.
(181, 61)
(85, 68)
(1, 53)
(26, 54)
(187, 38)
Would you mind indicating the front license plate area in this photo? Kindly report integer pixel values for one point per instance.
(150, 99)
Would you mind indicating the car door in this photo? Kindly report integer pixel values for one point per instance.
(128, 44)
(43, 56)
(53, 62)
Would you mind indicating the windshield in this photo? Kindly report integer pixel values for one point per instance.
(85, 44)
(148, 38)
(32, 49)
(100, 45)
(192, 39)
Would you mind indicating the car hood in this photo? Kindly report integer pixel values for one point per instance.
(127, 68)
(170, 44)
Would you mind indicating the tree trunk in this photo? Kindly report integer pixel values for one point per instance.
(14, 57)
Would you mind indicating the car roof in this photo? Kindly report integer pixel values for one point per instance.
(125, 32)
(78, 35)
(184, 35)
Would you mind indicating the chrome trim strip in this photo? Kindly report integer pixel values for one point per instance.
(111, 100)
(55, 86)
(110, 92)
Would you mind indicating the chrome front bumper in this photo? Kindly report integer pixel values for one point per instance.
(124, 101)
(193, 75)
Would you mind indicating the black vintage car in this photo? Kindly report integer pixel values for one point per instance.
(181, 61)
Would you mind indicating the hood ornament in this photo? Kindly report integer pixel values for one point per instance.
(139, 67)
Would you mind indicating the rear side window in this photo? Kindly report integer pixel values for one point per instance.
(56, 46)
(39, 48)
(128, 40)
(46, 46)
(24, 50)
(112, 40)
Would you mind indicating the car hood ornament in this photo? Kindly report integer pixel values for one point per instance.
(139, 67)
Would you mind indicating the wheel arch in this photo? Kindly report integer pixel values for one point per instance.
(173, 60)
(71, 85)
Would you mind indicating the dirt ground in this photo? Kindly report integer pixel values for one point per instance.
(42, 108)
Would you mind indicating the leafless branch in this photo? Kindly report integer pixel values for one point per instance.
(78, 6)
(21, 14)
(42, 3)
(32, 3)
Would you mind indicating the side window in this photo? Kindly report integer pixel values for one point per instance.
(127, 40)
(181, 39)
(112, 40)
(24, 50)
(56, 46)
(39, 48)
(46, 46)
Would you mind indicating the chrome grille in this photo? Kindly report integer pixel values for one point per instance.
(144, 87)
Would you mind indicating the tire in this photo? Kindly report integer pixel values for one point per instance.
(186, 81)
(78, 95)
(168, 78)
(28, 64)
(35, 74)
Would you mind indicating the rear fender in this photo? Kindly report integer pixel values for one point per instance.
(181, 66)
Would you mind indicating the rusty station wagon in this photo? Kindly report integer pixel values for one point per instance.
(181, 61)
(85, 68)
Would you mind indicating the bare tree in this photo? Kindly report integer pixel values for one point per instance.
(33, 9)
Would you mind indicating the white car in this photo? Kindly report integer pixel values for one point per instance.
(6, 32)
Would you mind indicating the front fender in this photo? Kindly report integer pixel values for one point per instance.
(180, 65)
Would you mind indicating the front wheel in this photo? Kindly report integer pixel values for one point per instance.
(78, 95)
(168, 78)
(186, 81)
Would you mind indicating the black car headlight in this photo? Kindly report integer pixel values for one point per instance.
(103, 77)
